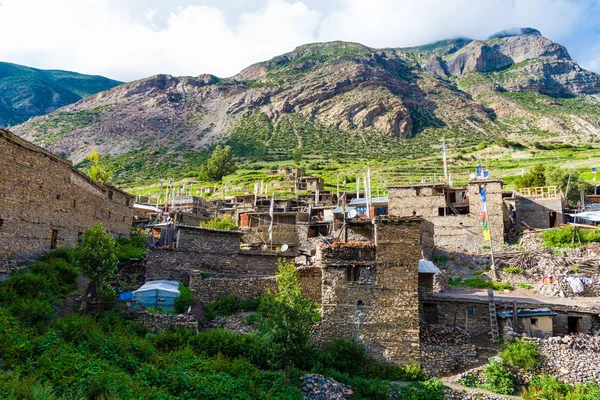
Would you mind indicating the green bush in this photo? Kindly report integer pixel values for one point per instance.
(228, 305)
(184, 300)
(513, 270)
(524, 286)
(498, 378)
(431, 389)
(500, 285)
(563, 237)
(546, 387)
(135, 247)
(521, 354)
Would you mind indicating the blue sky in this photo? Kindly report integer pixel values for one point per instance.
(132, 39)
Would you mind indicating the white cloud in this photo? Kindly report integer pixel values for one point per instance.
(131, 39)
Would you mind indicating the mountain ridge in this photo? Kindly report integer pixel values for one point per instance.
(27, 92)
(335, 93)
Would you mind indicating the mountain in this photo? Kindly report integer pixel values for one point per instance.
(340, 100)
(26, 92)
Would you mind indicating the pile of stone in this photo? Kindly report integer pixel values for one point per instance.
(446, 335)
(579, 342)
(571, 359)
(318, 387)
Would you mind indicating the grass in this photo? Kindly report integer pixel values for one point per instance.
(478, 283)
(524, 286)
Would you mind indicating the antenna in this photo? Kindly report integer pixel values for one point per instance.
(352, 213)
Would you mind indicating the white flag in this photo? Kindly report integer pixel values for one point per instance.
(317, 197)
(271, 214)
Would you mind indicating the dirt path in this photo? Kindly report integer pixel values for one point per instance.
(70, 302)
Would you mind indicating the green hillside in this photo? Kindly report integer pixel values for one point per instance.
(26, 92)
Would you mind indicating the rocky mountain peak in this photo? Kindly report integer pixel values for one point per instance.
(515, 32)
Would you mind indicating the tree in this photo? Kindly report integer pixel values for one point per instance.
(225, 224)
(556, 176)
(286, 319)
(219, 164)
(534, 178)
(97, 171)
(96, 254)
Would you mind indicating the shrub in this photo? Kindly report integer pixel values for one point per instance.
(500, 285)
(96, 253)
(32, 312)
(498, 378)
(431, 389)
(343, 355)
(524, 286)
(521, 354)
(225, 305)
(513, 270)
(184, 300)
(575, 269)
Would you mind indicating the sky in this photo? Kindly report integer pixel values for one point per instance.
(133, 39)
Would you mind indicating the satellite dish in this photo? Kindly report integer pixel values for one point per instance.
(284, 247)
(265, 247)
(472, 176)
(352, 213)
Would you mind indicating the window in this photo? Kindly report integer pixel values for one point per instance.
(470, 311)
(127, 202)
(74, 203)
(53, 239)
(110, 194)
(534, 321)
(1, 222)
(441, 211)
(352, 273)
(58, 197)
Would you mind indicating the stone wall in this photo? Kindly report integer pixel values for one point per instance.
(162, 263)
(455, 313)
(244, 288)
(282, 234)
(451, 232)
(568, 364)
(43, 196)
(161, 322)
(445, 360)
(380, 307)
(311, 283)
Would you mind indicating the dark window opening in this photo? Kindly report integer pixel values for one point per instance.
(470, 311)
(418, 191)
(441, 211)
(352, 273)
(533, 321)
(127, 202)
(110, 194)
(58, 197)
(318, 230)
(574, 324)
(430, 313)
(1, 222)
(53, 239)
(74, 203)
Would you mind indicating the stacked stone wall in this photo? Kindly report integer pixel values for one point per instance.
(244, 288)
(445, 360)
(161, 322)
(41, 193)
(381, 312)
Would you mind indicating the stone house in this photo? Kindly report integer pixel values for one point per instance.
(369, 291)
(454, 212)
(46, 203)
(539, 208)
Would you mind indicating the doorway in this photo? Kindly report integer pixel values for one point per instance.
(574, 324)
(552, 219)
(430, 313)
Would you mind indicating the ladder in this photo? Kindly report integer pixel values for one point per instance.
(493, 317)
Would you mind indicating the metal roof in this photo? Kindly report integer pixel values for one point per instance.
(427, 267)
(374, 200)
(593, 216)
(533, 312)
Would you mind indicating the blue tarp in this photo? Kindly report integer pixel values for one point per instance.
(535, 312)
(126, 296)
(157, 294)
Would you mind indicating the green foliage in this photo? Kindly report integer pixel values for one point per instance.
(513, 270)
(97, 171)
(219, 164)
(534, 178)
(286, 319)
(225, 223)
(498, 378)
(524, 286)
(470, 380)
(521, 354)
(546, 387)
(575, 269)
(184, 300)
(228, 305)
(565, 238)
(478, 283)
(96, 253)
(432, 389)
(135, 247)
